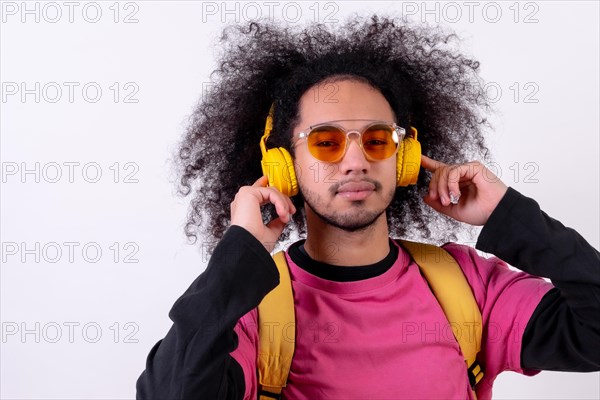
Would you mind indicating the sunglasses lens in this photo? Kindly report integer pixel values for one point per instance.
(327, 143)
(380, 141)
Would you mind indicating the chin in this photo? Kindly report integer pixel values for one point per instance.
(355, 216)
(345, 213)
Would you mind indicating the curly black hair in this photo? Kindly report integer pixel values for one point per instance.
(427, 82)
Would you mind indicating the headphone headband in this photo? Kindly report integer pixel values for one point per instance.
(268, 129)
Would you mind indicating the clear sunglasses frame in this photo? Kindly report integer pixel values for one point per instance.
(399, 131)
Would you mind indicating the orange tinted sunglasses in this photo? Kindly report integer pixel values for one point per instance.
(329, 141)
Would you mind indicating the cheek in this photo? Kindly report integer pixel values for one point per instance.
(308, 170)
(312, 172)
(389, 171)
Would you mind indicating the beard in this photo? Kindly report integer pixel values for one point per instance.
(358, 218)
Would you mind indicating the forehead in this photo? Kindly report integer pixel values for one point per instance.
(343, 100)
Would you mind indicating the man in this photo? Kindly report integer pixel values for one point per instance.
(357, 292)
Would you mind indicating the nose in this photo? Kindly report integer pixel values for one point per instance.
(354, 161)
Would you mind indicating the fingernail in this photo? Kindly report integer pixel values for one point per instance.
(453, 198)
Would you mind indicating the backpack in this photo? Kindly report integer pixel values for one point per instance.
(445, 278)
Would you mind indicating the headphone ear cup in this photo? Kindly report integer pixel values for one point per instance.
(408, 162)
(278, 166)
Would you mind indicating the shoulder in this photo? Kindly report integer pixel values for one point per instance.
(490, 277)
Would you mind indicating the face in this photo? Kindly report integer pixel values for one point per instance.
(352, 193)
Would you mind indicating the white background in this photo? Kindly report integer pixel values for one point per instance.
(91, 324)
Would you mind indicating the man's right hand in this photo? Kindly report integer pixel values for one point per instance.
(245, 211)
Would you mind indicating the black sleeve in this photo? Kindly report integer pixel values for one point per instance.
(563, 333)
(193, 360)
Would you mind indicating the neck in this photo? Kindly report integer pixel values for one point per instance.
(332, 245)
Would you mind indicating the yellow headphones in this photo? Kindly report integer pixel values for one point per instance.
(278, 166)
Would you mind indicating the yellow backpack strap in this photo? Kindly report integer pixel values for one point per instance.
(451, 289)
(277, 334)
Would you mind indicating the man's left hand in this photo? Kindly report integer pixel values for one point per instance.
(467, 192)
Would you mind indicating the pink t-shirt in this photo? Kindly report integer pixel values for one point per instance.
(387, 337)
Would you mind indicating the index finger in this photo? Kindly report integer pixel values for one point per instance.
(430, 164)
(262, 181)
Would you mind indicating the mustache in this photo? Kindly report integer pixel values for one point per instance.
(333, 189)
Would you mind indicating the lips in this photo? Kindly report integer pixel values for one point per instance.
(356, 187)
(356, 190)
